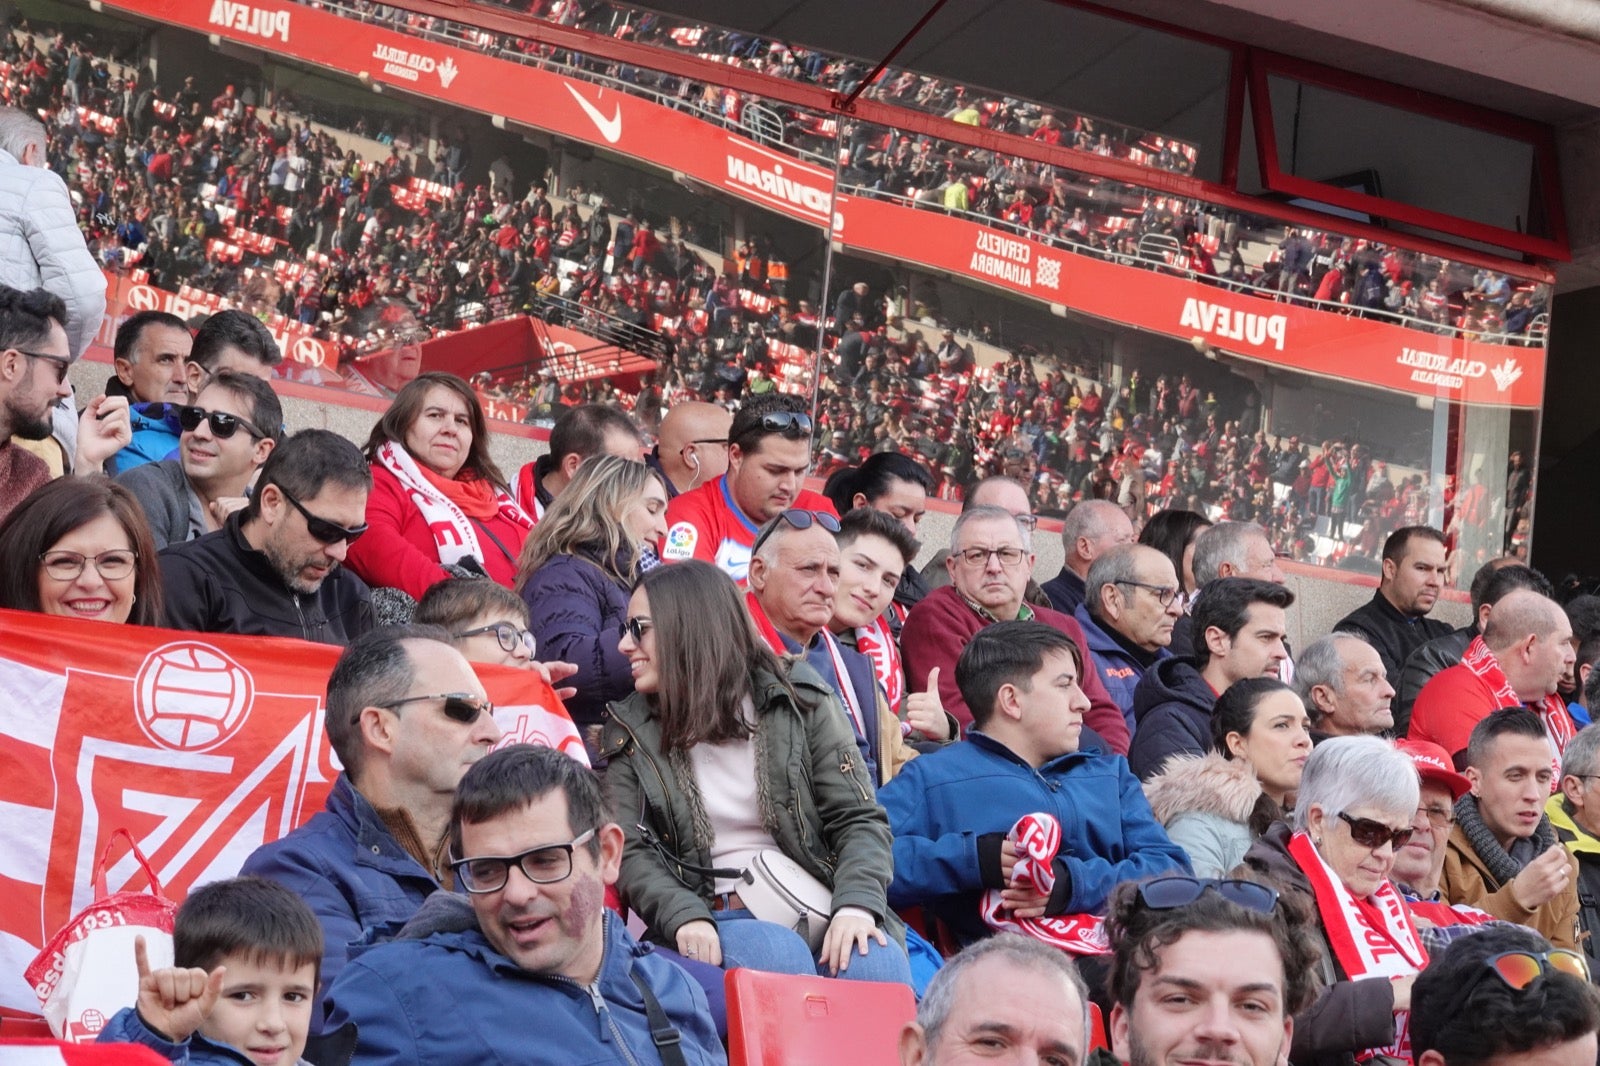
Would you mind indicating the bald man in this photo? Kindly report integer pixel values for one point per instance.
(1525, 648)
(693, 447)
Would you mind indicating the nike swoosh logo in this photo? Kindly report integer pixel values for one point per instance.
(610, 128)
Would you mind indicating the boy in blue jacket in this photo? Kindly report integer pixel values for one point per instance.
(951, 811)
(242, 984)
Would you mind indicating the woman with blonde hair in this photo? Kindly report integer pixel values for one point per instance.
(580, 566)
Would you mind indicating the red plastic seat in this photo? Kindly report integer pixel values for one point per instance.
(22, 1025)
(781, 1020)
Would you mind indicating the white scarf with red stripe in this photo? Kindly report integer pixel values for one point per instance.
(878, 645)
(1037, 838)
(1372, 937)
(454, 534)
(1558, 724)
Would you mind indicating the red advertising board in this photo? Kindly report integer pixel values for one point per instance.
(202, 746)
(1378, 353)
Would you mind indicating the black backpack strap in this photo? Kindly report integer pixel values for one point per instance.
(663, 1033)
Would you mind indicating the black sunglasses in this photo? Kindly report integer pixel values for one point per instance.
(1170, 893)
(61, 364)
(637, 627)
(792, 425)
(223, 425)
(322, 529)
(799, 518)
(461, 707)
(1374, 834)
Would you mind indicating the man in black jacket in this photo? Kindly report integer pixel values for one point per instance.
(274, 568)
(1395, 620)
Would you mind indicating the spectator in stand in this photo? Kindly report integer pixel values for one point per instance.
(1396, 620)
(43, 248)
(1133, 603)
(899, 486)
(438, 499)
(989, 565)
(80, 548)
(1490, 584)
(1341, 680)
(273, 569)
(1008, 494)
(1005, 995)
(1504, 997)
(1574, 813)
(723, 719)
(150, 354)
(1352, 812)
(1205, 968)
(534, 838)
(1525, 648)
(692, 447)
(230, 340)
(579, 434)
(221, 446)
(406, 716)
(578, 569)
(954, 813)
(769, 454)
(1227, 549)
(1216, 804)
(1503, 856)
(1419, 864)
(1090, 529)
(1239, 624)
(1174, 534)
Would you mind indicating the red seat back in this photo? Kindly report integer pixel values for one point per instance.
(782, 1020)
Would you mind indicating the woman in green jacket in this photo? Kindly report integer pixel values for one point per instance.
(722, 752)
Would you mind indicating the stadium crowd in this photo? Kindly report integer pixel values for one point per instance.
(1021, 795)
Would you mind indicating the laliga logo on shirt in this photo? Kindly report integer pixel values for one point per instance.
(191, 697)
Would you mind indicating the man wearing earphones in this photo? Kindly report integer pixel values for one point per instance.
(693, 446)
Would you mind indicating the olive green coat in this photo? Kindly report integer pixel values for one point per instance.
(817, 803)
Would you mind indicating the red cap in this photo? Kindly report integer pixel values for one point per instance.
(1434, 765)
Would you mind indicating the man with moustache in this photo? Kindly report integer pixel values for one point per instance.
(406, 716)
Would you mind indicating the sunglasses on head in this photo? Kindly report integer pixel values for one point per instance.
(799, 518)
(323, 530)
(461, 707)
(1370, 833)
(1519, 969)
(223, 425)
(792, 425)
(1170, 893)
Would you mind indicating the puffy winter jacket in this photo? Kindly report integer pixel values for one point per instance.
(41, 246)
(1172, 715)
(127, 1027)
(942, 804)
(1205, 803)
(577, 611)
(155, 438)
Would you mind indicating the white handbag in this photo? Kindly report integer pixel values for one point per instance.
(778, 890)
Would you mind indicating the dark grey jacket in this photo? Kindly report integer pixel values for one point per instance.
(162, 489)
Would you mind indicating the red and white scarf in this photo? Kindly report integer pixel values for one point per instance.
(1558, 725)
(1037, 838)
(1372, 937)
(453, 532)
(878, 645)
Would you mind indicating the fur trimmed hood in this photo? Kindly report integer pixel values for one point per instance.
(1205, 784)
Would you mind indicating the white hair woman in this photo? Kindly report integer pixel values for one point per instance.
(1354, 810)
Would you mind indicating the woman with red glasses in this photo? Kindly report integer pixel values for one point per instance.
(1352, 813)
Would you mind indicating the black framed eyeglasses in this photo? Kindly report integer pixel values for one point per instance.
(1164, 594)
(322, 529)
(1008, 556)
(544, 865)
(1170, 893)
(799, 518)
(461, 707)
(61, 362)
(223, 425)
(510, 637)
(637, 626)
(710, 440)
(1370, 833)
(112, 565)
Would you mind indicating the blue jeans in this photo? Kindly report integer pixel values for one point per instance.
(752, 944)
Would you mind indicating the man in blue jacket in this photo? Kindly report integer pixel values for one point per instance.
(951, 811)
(540, 971)
(366, 862)
(1134, 601)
